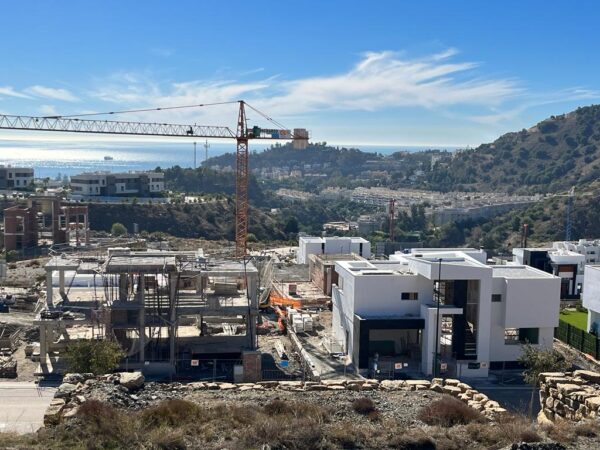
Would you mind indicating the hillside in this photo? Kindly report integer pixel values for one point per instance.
(551, 156)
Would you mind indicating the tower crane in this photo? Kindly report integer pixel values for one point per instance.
(243, 134)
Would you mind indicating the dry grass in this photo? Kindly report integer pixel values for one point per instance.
(283, 424)
(449, 411)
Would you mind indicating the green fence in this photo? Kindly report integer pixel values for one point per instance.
(579, 339)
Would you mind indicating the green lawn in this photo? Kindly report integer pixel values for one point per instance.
(575, 318)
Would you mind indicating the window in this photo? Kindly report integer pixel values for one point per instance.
(521, 336)
(496, 298)
(529, 335)
(511, 336)
(410, 296)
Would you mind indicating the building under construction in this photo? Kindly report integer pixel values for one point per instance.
(167, 310)
(45, 220)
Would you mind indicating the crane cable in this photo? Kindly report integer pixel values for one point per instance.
(164, 108)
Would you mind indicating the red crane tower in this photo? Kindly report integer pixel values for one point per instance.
(75, 124)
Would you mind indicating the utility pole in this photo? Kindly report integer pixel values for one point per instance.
(206, 147)
(194, 155)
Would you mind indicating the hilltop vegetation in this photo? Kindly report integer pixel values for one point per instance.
(552, 156)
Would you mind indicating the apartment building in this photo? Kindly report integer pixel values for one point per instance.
(15, 177)
(311, 245)
(385, 313)
(104, 184)
(591, 296)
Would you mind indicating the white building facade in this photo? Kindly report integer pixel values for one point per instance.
(310, 245)
(105, 184)
(591, 296)
(15, 177)
(385, 313)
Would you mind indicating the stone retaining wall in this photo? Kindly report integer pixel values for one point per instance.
(72, 392)
(570, 395)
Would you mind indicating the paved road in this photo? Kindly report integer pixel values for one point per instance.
(22, 406)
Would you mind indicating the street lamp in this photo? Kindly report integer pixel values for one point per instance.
(436, 362)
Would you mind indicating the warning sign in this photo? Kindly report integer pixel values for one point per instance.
(195, 362)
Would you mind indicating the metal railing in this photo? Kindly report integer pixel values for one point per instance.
(579, 339)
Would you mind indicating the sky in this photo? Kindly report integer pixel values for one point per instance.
(406, 73)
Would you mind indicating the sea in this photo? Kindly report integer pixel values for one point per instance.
(56, 159)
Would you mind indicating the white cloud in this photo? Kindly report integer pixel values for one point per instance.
(48, 110)
(53, 93)
(379, 80)
(10, 92)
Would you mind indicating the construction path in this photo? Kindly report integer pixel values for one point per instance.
(22, 406)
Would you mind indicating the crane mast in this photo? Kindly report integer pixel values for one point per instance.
(74, 124)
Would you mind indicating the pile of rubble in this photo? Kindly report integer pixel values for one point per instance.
(129, 390)
(570, 395)
(8, 367)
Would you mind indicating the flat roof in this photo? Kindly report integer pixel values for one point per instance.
(131, 263)
(518, 272)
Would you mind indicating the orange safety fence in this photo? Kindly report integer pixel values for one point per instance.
(275, 299)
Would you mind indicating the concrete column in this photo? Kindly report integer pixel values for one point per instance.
(49, 302)
(61, 280)
(123, 287)
(43, 344)
(172, 318)
(142, 317)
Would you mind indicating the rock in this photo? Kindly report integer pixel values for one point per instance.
(212, 386)
(464, 387)
(452, 382)
(439, 381)
(417, 383)
(479, 397)
(354, 387)
(438, 388)
(392, 385)
(593, 403)
(567, 388)
(246, 388)
(545, 375)
(268, 384)
(554, 381)
(491, 404)
(65, 390)
(318, 387)
(452, 390)
(70, 413)
(336, 388)
(588, 375)
(196, 386)
(52, 414)
(131, 380)
(227, 386)
(334, 382)
(74, 378)
(369, 387)
(537, 446)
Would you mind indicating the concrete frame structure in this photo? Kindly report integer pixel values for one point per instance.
(141, 184)
(310, 245)
(390, 307)
(162, 307)
(15, 177)
(20, 228)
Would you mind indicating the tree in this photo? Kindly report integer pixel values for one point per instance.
(291, 225)
(118, 229)
(537, 361)
(93, 356)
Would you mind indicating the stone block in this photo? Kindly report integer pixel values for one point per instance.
(588, 375)
(453, 390)
(65, 390)
(567, 388)
(464, 387)
(227, 386)
(452, 382)
(545, 375)
(593, 403)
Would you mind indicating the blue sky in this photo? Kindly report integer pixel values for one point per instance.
(380, 72)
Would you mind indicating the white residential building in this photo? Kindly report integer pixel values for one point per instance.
(591, 296)
(311, 245)
(106, 184)
(15, 177)
(385, 312)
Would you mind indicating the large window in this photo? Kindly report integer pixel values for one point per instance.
(521, 336)
(409, 296)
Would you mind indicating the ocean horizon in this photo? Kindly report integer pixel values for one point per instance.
(56, 159)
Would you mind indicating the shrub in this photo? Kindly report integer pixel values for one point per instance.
(412, 440)
(95, 356)
(447, 412)
(118, 229)
(364, 406)
(172, 413)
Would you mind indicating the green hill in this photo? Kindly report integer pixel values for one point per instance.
(551, 156)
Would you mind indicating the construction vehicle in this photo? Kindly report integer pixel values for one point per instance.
(243, 134)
